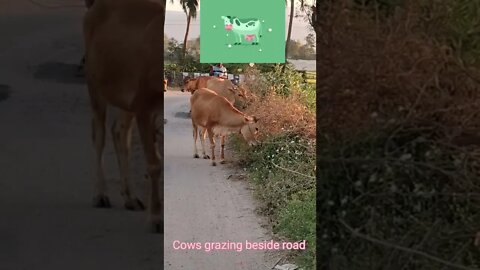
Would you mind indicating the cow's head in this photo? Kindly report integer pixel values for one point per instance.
(239, 95)
(250, 130)
(228, 21)
(189, 85)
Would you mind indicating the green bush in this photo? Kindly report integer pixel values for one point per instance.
(402, 187)
(284, 80)
(282, 169)
(297, 222)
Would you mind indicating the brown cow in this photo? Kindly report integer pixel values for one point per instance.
(217, 116)
(192, 84)
(227, 89)
(124, 64)
(165, 82)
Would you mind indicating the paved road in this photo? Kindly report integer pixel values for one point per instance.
(46, 164)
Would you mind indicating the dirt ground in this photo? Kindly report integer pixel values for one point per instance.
(46, 165)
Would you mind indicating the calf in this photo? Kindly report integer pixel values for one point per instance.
(217, 116)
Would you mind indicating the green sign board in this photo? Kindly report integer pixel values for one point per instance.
(242, 31)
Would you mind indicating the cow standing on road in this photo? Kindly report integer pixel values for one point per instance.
(217, 116)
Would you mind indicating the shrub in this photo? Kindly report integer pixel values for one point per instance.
(398, 91)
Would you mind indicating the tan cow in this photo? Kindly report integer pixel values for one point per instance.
(165, 82)
(192, 84)
(124, 66)
(217, 116)
(227, 89)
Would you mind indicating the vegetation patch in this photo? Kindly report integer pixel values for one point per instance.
(399, 135)
(282, 168)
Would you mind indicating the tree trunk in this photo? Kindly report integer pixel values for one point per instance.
(289, 33)
(163, 5)
(316, 27)
(189, 16)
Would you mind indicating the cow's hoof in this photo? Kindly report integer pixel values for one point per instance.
(196, 156)
(214, 164)
(134, 205)
(222, 162)
(206, 157)
(101, 201)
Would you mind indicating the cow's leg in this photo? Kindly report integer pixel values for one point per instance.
(203, 134)
(222, 156)
(99, 110)
(122, 137)
(211, 137)
(238, 38)
(195, 136)
(146, 127)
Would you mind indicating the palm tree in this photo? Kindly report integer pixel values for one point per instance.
(290, 23)
(190, 9)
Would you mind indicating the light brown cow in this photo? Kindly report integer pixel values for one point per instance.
(192, 84)
(124, 67)
(217, 116)
(227, 89)
(165, 82)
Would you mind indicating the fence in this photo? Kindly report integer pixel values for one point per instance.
(175, 78)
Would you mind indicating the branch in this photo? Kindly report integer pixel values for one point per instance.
(288, 170)
(405, 249)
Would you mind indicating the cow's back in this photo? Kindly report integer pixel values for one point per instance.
(209, 108)
(122, 50)
(202, 81)
(221, 88)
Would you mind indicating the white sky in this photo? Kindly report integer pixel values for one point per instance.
(177, 7)
(175, 23)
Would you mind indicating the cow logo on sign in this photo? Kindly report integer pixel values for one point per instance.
(241, 31)
(244, 30)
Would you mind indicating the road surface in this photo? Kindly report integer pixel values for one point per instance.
(46, 165)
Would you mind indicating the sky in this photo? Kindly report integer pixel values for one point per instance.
(175, 23)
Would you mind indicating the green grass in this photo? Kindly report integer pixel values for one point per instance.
(287, 193)
(297, 221)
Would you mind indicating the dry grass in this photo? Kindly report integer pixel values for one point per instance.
(283, 115)
(399, 188)
(394, 70)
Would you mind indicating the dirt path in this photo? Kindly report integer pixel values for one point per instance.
(46, 165)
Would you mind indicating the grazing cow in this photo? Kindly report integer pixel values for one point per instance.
(217, 116)
(248, 29)
(192, 84)
(228, 90)
(165, 82)
(124, 66)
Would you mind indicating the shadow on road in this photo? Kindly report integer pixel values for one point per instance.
(4, 92)
(59, 72)
(184, 115)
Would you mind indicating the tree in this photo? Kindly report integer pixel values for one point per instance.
(190, 9)
(290, 23)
